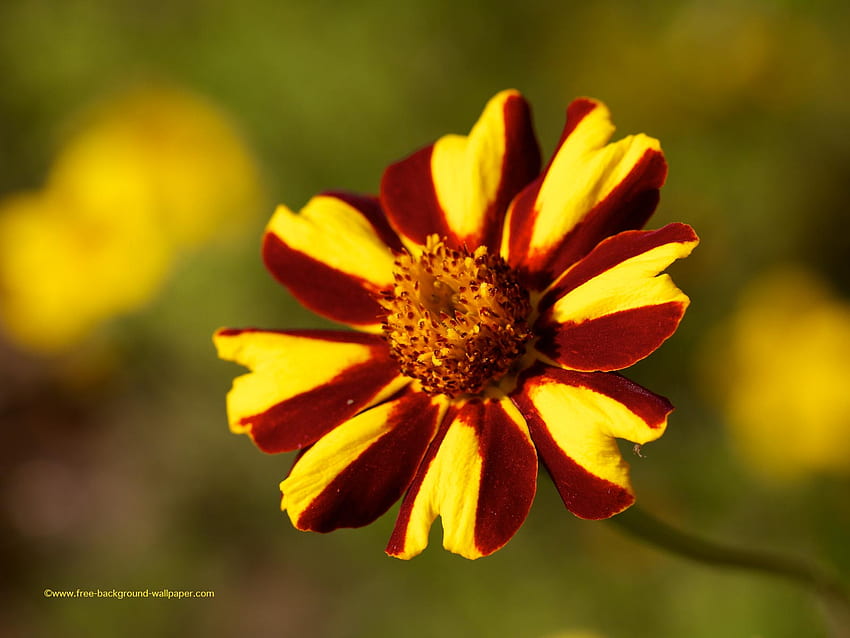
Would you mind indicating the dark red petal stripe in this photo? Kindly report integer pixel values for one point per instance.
(628, 206)
(610, 342)
(410, 199)
(508, 476)
(523, 214)
(585, 494)
(613, 251)
(520, 225)
(577, 110)
(396, 543)
(652, 408)
(520, 166)
(617, 340)
(324, 290)
(379, 476)
(301, 420)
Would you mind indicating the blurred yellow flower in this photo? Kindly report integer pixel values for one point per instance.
(62, 272)
(174, 155)
(150, 173)
(781, 366)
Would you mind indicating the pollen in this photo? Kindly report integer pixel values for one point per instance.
(455, 320)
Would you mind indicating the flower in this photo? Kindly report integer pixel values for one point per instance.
(63, 271)
(779, 367)
(493, 304)
(150, 173)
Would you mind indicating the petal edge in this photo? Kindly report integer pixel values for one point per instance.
(574, 418)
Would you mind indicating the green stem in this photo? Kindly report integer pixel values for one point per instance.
(832, 591)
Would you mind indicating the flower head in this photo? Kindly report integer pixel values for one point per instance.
(493, 304)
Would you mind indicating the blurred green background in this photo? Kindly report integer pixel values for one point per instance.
(118, 470)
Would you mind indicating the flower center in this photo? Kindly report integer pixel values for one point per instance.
(455, 320)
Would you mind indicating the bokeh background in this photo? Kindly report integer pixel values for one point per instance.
(143, 146)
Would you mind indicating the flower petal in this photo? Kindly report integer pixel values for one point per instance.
(355, 473)
(460, 187)
(480, 476)
(303, 383)
(574, 418)
(613, 308)
(334, 257)
(589, 191)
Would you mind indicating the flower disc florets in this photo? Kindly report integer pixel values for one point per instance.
(455, 320)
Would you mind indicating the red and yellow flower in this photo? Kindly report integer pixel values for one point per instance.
(493, 304)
